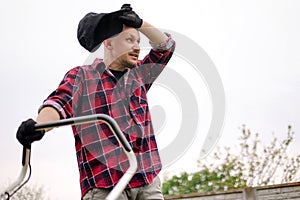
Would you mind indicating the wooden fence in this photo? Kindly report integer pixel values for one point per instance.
(271, 192)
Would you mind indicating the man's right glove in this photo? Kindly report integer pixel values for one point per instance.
(26, 133)
(126, 6)
(131, 19)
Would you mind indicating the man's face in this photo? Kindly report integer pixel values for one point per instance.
(125, 48)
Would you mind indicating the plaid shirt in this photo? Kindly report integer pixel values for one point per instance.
(92, 89)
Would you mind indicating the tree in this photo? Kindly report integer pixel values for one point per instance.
(252, 165)
(30, 192)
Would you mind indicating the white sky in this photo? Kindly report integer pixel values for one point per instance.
(254, 44)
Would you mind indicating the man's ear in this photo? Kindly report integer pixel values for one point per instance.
(107, 44)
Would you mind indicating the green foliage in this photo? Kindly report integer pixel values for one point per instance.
(253, 165)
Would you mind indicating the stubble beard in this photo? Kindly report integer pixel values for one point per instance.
(127, 64)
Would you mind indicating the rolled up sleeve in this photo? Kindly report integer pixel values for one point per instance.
(164, 46)
(62, 99)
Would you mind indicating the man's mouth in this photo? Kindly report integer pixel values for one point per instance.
(134, 55)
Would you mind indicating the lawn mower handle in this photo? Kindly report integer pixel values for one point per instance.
(111, 123)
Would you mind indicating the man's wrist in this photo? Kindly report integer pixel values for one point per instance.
(163, 46)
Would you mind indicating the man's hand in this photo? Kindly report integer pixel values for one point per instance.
(131, 19)
(126, 6)
(26, 133)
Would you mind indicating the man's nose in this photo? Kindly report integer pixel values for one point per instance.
(136, 47)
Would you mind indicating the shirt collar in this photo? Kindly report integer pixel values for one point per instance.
(100, 66)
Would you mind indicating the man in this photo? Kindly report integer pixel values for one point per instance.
(115, 85)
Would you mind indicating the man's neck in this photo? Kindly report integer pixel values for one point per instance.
(114, 66)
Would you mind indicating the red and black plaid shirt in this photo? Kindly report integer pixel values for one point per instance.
(93, 89)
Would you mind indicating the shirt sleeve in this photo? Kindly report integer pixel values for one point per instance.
(63, 98)
(154, 63)
(164, 46)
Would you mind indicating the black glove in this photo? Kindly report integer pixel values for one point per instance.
(126, 6)
(131, 19)
(26, 133)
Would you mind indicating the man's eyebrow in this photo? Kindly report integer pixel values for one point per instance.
(132, 35)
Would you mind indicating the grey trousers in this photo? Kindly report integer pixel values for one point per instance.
(147, 192)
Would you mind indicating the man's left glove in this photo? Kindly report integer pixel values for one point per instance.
(131, 19)
(26, 133)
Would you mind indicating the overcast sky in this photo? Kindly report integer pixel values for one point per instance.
(254, 45)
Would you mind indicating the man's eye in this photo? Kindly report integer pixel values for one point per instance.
(129, 39)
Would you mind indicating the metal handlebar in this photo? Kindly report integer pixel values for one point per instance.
(111, 123)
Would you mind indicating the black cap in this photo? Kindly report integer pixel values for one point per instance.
(94, 28)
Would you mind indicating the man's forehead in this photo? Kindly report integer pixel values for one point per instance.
(130, 32)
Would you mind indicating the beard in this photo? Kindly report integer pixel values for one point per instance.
(128, 64)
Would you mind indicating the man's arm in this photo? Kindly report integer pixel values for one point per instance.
(131, 19)
(27, 134)
(47, 114)
(162, 50)
(152, 33)
(50, 111)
